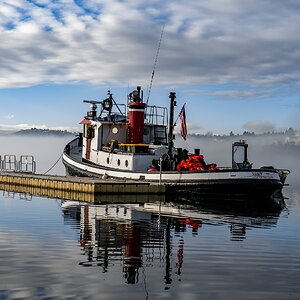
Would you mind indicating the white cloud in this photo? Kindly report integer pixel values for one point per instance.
(191, 127)
(9, 116)
(233, 94)
(110, 41)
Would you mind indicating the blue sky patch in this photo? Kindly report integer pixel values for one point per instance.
(36, 3)
(9, 26)
(92, 12)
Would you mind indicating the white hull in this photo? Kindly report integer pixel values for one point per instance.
(172, 176)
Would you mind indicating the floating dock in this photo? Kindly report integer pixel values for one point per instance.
(76, 188)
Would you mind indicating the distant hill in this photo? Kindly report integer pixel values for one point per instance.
(43, 132)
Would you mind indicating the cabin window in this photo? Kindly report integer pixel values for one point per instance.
(126, 163)
(107, 160)
(119, 162)
(90, 132)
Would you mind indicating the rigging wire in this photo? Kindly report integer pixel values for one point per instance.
(155, 63)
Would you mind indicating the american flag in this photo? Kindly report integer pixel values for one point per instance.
(182, 117)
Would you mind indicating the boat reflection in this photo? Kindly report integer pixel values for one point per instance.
(135, 236)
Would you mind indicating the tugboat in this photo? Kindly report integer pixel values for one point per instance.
(136, 142)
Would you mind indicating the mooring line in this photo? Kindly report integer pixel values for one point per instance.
(53, 165)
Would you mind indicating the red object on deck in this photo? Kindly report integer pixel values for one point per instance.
(195, 163)
(136, 115)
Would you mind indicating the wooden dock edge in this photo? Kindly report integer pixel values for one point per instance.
(76, 188)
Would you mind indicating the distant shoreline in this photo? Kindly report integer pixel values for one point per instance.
(38, 132)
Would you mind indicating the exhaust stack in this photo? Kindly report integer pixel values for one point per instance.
(136, 117)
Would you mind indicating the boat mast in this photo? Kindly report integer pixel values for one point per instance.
(171, 124)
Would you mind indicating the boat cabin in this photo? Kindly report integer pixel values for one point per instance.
(126, 137)
(240, 155)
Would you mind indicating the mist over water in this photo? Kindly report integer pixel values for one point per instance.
(45, 149)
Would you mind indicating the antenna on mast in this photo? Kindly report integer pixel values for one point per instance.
(155, 63)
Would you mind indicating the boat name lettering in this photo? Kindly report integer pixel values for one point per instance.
(260, 175)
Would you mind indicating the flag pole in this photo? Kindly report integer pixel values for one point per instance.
(171, 123)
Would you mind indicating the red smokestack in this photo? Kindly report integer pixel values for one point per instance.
(136, 113)
(136, 117)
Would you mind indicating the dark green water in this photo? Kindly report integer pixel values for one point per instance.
(51, 249)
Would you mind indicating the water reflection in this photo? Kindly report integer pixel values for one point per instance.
(135, 236)
(21, 196)
(146, 250)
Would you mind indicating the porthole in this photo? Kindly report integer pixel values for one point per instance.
(119, 162)
(115, 130)
(126, 163)
(107, 160)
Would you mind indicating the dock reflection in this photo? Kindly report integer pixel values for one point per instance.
(134, 236)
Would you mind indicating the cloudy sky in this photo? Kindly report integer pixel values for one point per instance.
(234, 62)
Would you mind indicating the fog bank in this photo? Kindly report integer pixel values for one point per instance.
(265, 150)
(45, 149)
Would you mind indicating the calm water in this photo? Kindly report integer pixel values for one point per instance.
(54, 249)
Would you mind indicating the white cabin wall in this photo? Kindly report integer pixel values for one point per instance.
(123, 161)
(83, 141)
(115, 160)
(107, 135)
(94, 144)
(83, 147)
(103, 136)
